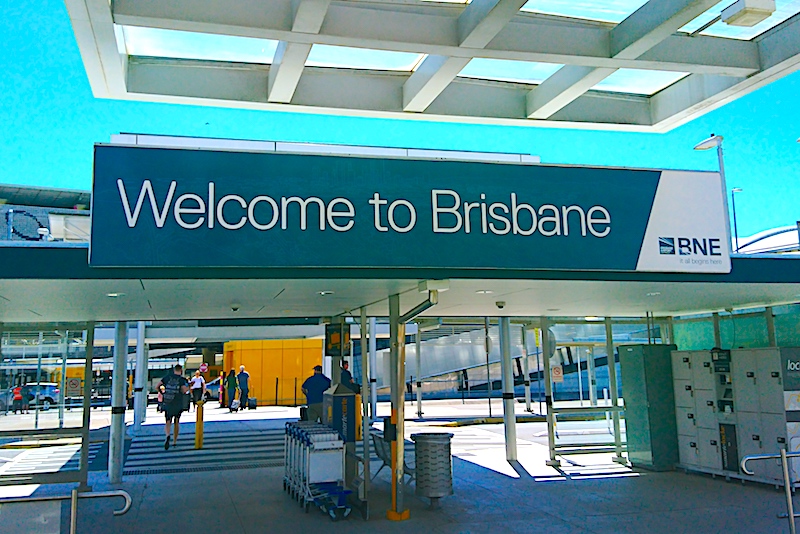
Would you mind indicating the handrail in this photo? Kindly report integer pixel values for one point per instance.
(85, 495)
(787, 483)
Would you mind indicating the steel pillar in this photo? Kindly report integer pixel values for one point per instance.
(418, 340)
(592, 376)
(140, 379)
(365, 371)
(397, 335)
(509, 415)
(116, 442)
(612, 385)
(373, 365)
(548, 394)
(88, 376)
(770, 318)
(525, 369)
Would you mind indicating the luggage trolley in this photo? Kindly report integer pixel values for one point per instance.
(314, 470)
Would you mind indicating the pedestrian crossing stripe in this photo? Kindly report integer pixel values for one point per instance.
(53, 459)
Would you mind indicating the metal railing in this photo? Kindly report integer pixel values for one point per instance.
(787, 483)
(73, 498)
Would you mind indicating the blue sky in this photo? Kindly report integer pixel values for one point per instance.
(49, 121)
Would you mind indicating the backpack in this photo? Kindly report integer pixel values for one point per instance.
(172, 387)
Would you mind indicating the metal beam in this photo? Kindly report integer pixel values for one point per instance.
(721, 69)
(477, 25)
(286, 69)
(652, 23)
(638, 33)
(527, 37)
(363, 93)
(779, 51)
(290, 58)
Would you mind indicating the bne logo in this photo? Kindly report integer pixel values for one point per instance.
(792, 366)
(690, 246)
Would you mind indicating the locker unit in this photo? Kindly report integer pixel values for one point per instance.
(648, 390)
(730, 404)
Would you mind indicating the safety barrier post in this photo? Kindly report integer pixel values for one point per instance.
(198, 426)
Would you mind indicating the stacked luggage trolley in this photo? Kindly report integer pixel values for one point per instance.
(314, 472)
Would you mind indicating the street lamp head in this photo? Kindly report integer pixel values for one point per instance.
(711, 142)
(736, 190)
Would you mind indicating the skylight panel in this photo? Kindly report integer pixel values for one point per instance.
(508, 71)
(784, 9)
(175, 44)
(638, 82)
(603, 10)
(344, 57)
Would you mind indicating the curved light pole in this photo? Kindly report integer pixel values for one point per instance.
(707, 144)
(733, 205)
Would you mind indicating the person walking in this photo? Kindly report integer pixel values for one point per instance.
(173, 387)
(313, 388)
(198, 388)
(231, 385)
(243, 378)
(17, 404)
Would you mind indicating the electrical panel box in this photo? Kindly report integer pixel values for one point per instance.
(649, 393)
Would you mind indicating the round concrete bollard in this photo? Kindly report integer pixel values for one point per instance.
(434, 465)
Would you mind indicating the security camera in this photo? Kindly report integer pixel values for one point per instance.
(234, 307)
(500, 304)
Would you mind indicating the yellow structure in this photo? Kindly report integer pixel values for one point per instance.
(277, 367)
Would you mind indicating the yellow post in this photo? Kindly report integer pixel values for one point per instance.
(198, 427)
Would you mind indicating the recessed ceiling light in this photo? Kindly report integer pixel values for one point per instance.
(115, 295)
(654, 294)
(324, 293)
(591, 318)
(484, 292)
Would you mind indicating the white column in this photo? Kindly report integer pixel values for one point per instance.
(419, 372)
(612, 385)
(116, 442)
(509, 416)
(548, 393)
(525, 370)
(373, 369)
(140, 380)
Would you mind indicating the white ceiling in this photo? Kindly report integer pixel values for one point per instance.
(651, 41)
(83, 300)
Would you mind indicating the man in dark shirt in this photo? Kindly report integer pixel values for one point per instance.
(313, 388)
(244, 386)
(173, 388)
(347, 377)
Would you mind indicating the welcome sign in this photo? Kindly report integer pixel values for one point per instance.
(154, 207)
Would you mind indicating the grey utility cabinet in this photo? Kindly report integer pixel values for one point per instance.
(647, 388)
(734, 403)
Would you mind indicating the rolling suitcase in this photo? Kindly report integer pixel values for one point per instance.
(235, 405)
(251, 403)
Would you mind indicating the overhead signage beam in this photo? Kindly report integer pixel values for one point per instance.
(156, 207)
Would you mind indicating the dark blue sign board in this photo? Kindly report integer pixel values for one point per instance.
(156, 207)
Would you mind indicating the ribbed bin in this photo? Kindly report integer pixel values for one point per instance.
(434, 465)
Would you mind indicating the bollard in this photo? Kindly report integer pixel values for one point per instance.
(198, 426)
